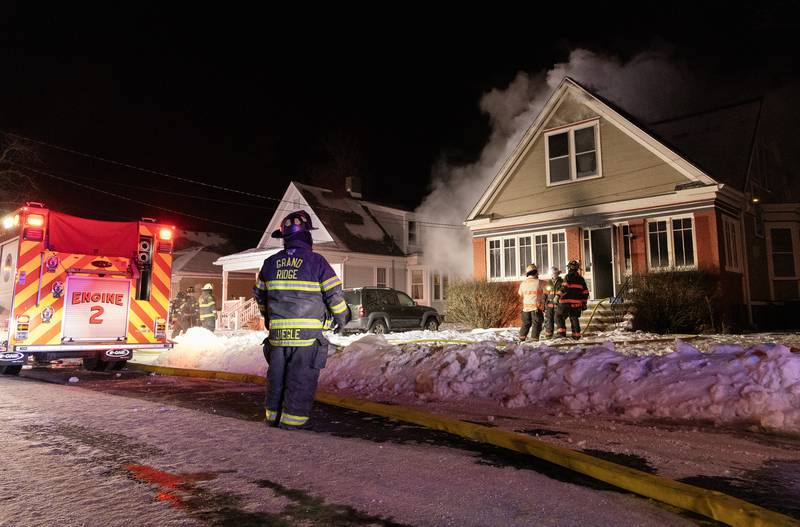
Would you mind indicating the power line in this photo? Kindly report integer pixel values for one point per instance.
(202, 183)
(119, 196)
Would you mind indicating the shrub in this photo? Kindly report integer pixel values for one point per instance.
(678, 302)
(482, 304)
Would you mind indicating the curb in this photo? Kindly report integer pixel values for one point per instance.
(712, 504)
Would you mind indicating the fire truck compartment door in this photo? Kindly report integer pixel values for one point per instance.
(96, 308)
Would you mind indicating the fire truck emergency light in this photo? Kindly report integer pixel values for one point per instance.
(34, 220)
(8, 222)
(165, 234)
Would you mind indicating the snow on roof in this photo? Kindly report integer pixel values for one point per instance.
(355, 225)
(196, 260)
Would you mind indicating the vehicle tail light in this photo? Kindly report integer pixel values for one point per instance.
(361, 311)
(23, 325)
(160, 328)
(34, 220)
(35, 235)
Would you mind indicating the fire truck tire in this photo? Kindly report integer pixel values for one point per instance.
(117, 365)
(11, 370)
(94, 364)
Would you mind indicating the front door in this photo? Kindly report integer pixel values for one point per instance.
(601, 258)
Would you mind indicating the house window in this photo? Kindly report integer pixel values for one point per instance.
(542, 251)
(730, 229)
(782, 253)
(587, 251)
(524, 253)
(412, 232)
(380, 276)
(417, 284)
(436, 280)
(494, 259)
(626, 247)
(510, 255)
(445, 285)
(573, 154)
(559, 250)
(670, 243)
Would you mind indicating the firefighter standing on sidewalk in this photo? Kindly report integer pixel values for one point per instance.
(298, 294)
(572, 297)
(532, 303)
(551, 301)
(208, 308)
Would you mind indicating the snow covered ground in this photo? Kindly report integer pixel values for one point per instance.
(732, 380)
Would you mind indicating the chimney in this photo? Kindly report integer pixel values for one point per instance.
(353, 186)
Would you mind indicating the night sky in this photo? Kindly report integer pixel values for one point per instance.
(254, 99)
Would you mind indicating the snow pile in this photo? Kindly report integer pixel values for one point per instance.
(728, 384)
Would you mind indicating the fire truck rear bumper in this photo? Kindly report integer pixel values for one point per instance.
(116, 351)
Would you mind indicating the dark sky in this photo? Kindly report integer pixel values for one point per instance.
(252, 99)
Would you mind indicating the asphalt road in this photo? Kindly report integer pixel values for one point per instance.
(132, 449)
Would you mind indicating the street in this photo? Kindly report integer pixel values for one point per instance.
(131, 449)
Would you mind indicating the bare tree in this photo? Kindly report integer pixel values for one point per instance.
(16, 184)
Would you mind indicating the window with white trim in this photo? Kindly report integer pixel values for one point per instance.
(733, 252)
(417, 284)
(573, 154)
(626, 247)
(508, 256)
(380, 276)
(670, 243)
(440, 281)
(782, 253)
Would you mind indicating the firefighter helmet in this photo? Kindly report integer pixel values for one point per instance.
(573, 265)
(298, 221)
(531, 269)
(208, 287)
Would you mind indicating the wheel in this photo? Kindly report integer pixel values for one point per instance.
(378, 327)
(117, 365)
(431, 324)
(11, 370)
(94, 364)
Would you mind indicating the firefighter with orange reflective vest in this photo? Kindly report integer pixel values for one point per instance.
(298, 294)
(572, 298)
(551, 301)
(532, 303)
(208, 308)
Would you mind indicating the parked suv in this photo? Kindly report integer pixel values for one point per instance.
(381, 309)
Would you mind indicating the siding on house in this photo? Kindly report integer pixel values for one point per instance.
(629, 171)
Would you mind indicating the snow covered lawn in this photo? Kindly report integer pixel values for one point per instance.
(753, 379)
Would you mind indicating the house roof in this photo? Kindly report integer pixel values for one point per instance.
(196, 260)
(344, 223)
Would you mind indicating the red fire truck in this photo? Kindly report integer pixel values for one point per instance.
(72, 287)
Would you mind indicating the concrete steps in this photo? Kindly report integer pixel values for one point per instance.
(604, 317)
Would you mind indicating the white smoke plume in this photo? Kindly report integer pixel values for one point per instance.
(643, 86)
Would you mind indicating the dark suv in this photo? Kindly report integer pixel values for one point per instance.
(381, 309)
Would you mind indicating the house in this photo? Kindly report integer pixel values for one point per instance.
(193, 265)
(587, 181)
(366, 243)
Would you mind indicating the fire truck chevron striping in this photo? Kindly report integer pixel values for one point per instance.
(81, 288)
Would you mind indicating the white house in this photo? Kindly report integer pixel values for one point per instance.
(366, 243)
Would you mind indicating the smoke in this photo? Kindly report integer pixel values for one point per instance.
(647, 85)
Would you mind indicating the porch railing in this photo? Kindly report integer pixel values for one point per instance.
(236, 314)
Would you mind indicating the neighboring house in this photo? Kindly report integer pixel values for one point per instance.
(589, 182)
(193, 265)
(366, 243)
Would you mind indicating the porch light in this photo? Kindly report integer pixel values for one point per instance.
(756, 200)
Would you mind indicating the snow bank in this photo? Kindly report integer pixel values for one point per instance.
(728, 384)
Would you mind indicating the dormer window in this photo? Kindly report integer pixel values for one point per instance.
(412, 232)
(573, 153)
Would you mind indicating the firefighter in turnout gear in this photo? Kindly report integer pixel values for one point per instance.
(176, 313)
(551, 301)
(532, 303)
(572, 297)
(299, 295)
(208, 308)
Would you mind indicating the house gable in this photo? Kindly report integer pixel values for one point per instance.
(632, 163)
(292, 201)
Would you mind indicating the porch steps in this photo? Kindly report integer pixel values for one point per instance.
(605, 316)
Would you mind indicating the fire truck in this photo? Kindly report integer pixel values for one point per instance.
(73, 287)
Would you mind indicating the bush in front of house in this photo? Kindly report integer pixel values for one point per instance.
(482, 304)
(678, 302)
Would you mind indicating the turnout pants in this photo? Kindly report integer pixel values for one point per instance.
(531, 319)
(574, 313)
(549, 320)
(292, 379)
